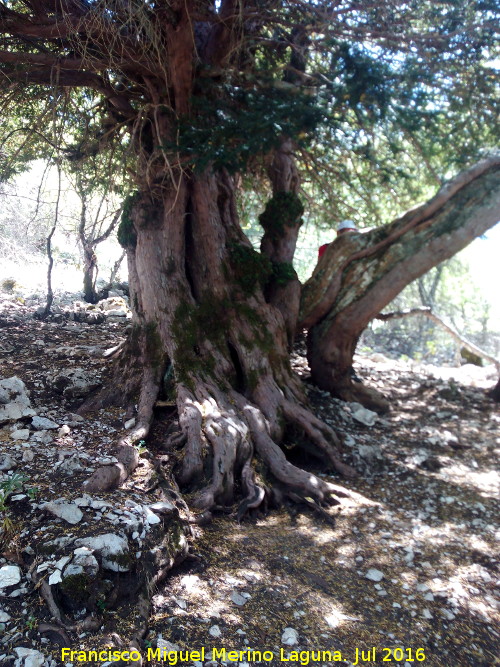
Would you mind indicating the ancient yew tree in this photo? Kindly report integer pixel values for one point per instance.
(195, 94)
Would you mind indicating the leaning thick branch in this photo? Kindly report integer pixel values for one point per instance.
(52, 75)
(322, 290)
(427, 312)
(66, 63)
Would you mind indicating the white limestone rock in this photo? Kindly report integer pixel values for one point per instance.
(20, 434)
(73, 383)
(14, 400)
(43, 424)
(69, 512)
(7, 462)
(290, 637)
(28, 657)
(112, 549)
(238, 599)
(10, 575)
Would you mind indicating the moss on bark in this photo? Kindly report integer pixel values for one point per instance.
(283, 209)
(126, 234)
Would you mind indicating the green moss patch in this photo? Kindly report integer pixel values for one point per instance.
(127, 236)
(283, 209)
(249, 269)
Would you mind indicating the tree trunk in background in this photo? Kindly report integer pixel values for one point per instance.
(359, 274)
(495, 392)
(89, 273)
(282, 220)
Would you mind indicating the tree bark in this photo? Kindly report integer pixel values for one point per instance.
(89, 274)
(200, 315)
(495, 392)
(359, 274)
(279, 240)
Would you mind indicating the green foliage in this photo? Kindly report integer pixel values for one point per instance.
(31, 623)
(230, 125)
(127, 236)
(284, 208)
(283, 273)
(9, 485)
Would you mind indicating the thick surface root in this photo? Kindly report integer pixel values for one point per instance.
(355, 392)
(111, 476)
(229, 434)
(227, 438)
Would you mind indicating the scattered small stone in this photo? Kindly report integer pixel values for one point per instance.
(43, 424)
(113, 550)
(374, 575)
(69, 512)
(364, 416)
(238, 599)
(214, 631)
(20, 434)
(14, 400)
(10, 575)
(290, 637)
(28, 657)
(7, 463)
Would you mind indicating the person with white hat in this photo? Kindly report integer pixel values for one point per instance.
(345, 227)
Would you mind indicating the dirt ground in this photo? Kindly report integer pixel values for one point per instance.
(406, 572)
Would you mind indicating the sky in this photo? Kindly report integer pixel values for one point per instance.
(483, 255)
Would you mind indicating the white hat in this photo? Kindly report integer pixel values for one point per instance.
(346, 224)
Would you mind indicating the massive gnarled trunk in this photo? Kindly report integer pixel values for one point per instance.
(360, 274)
(201, 318)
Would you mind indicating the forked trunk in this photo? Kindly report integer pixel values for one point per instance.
(359, 274)
(200, 316)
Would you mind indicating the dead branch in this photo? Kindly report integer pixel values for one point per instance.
(427, 312)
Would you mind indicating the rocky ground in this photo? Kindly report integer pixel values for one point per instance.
(409, 563)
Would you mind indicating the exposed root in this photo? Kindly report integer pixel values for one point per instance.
(316, 430)
(255, 494)
(111, 476)
(297, 480)
(360, 393)
(221, 430)
(317, 509)
(190, 420)
(88, 623)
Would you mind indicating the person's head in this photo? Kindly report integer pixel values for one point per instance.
(345, 227)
